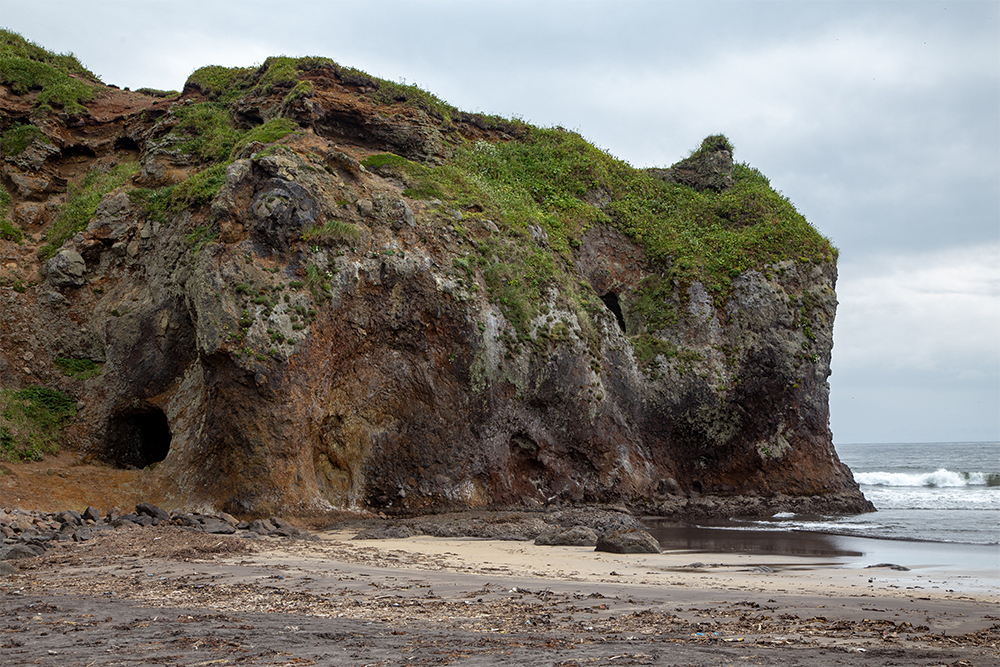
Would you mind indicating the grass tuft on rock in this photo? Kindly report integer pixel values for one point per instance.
(79, 369)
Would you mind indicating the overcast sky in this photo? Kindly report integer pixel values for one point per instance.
(880, 121)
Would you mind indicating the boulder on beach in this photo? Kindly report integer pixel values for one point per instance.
(628, 542)
(577, 536)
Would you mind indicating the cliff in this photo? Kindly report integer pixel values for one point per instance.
(296, 286)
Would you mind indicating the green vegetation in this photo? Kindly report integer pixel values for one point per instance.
(317, 283)
(84, 197)
(652, 303)
(18, 137)
(9, 232)
(207, 131)
(553, 180)
(198, 190)
(60, 78)
(7, 229)
(334, 231)
(31, 422)
(648, 347)
(80, 369)
(201, 236)
(217, 82)
(227, 84)
(153, 92)
(300, 90)
(268, 132)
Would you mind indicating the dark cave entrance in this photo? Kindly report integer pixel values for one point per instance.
(126, 144)
(611, 301)
(138, 438)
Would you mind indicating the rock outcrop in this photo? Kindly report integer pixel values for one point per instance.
(354, 305)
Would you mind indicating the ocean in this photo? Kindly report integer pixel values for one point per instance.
(936, 492)
(943, 496)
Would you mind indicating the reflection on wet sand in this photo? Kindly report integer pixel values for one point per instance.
(673, 536)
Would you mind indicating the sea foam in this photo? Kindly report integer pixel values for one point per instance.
(939, 478)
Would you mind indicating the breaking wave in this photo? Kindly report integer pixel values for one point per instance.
(938, 479)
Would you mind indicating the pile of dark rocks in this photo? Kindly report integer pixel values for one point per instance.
(28, 533)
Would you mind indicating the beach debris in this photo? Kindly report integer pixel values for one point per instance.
(395, 531)
(26, 533)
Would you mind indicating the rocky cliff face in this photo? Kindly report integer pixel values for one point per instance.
(351, 304)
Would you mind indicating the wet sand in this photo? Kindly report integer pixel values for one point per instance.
(162, 595)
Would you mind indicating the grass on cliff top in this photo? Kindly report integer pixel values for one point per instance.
(32, 422)
(284, 74)
(553, 180)
(228, 84)
(60, 78)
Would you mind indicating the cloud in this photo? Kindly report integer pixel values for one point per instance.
(916, 353)
(930, 311)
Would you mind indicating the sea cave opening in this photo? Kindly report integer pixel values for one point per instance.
(611, 301)
(138, 438)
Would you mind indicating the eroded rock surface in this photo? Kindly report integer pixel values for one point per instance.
(314, 334)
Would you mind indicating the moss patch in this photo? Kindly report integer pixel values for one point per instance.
(80, 369)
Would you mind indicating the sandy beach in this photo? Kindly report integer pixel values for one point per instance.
(165, 595)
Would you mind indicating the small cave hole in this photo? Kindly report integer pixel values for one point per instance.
(138, 438)
(611, 301)
(126, 144)
(78, 150)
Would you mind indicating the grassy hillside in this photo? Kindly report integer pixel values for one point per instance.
(524, 178)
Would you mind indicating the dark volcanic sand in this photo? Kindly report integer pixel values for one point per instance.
(162, 596)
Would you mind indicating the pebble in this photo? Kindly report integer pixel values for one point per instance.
(28, 533)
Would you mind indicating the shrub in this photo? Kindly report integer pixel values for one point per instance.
(219, 83)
